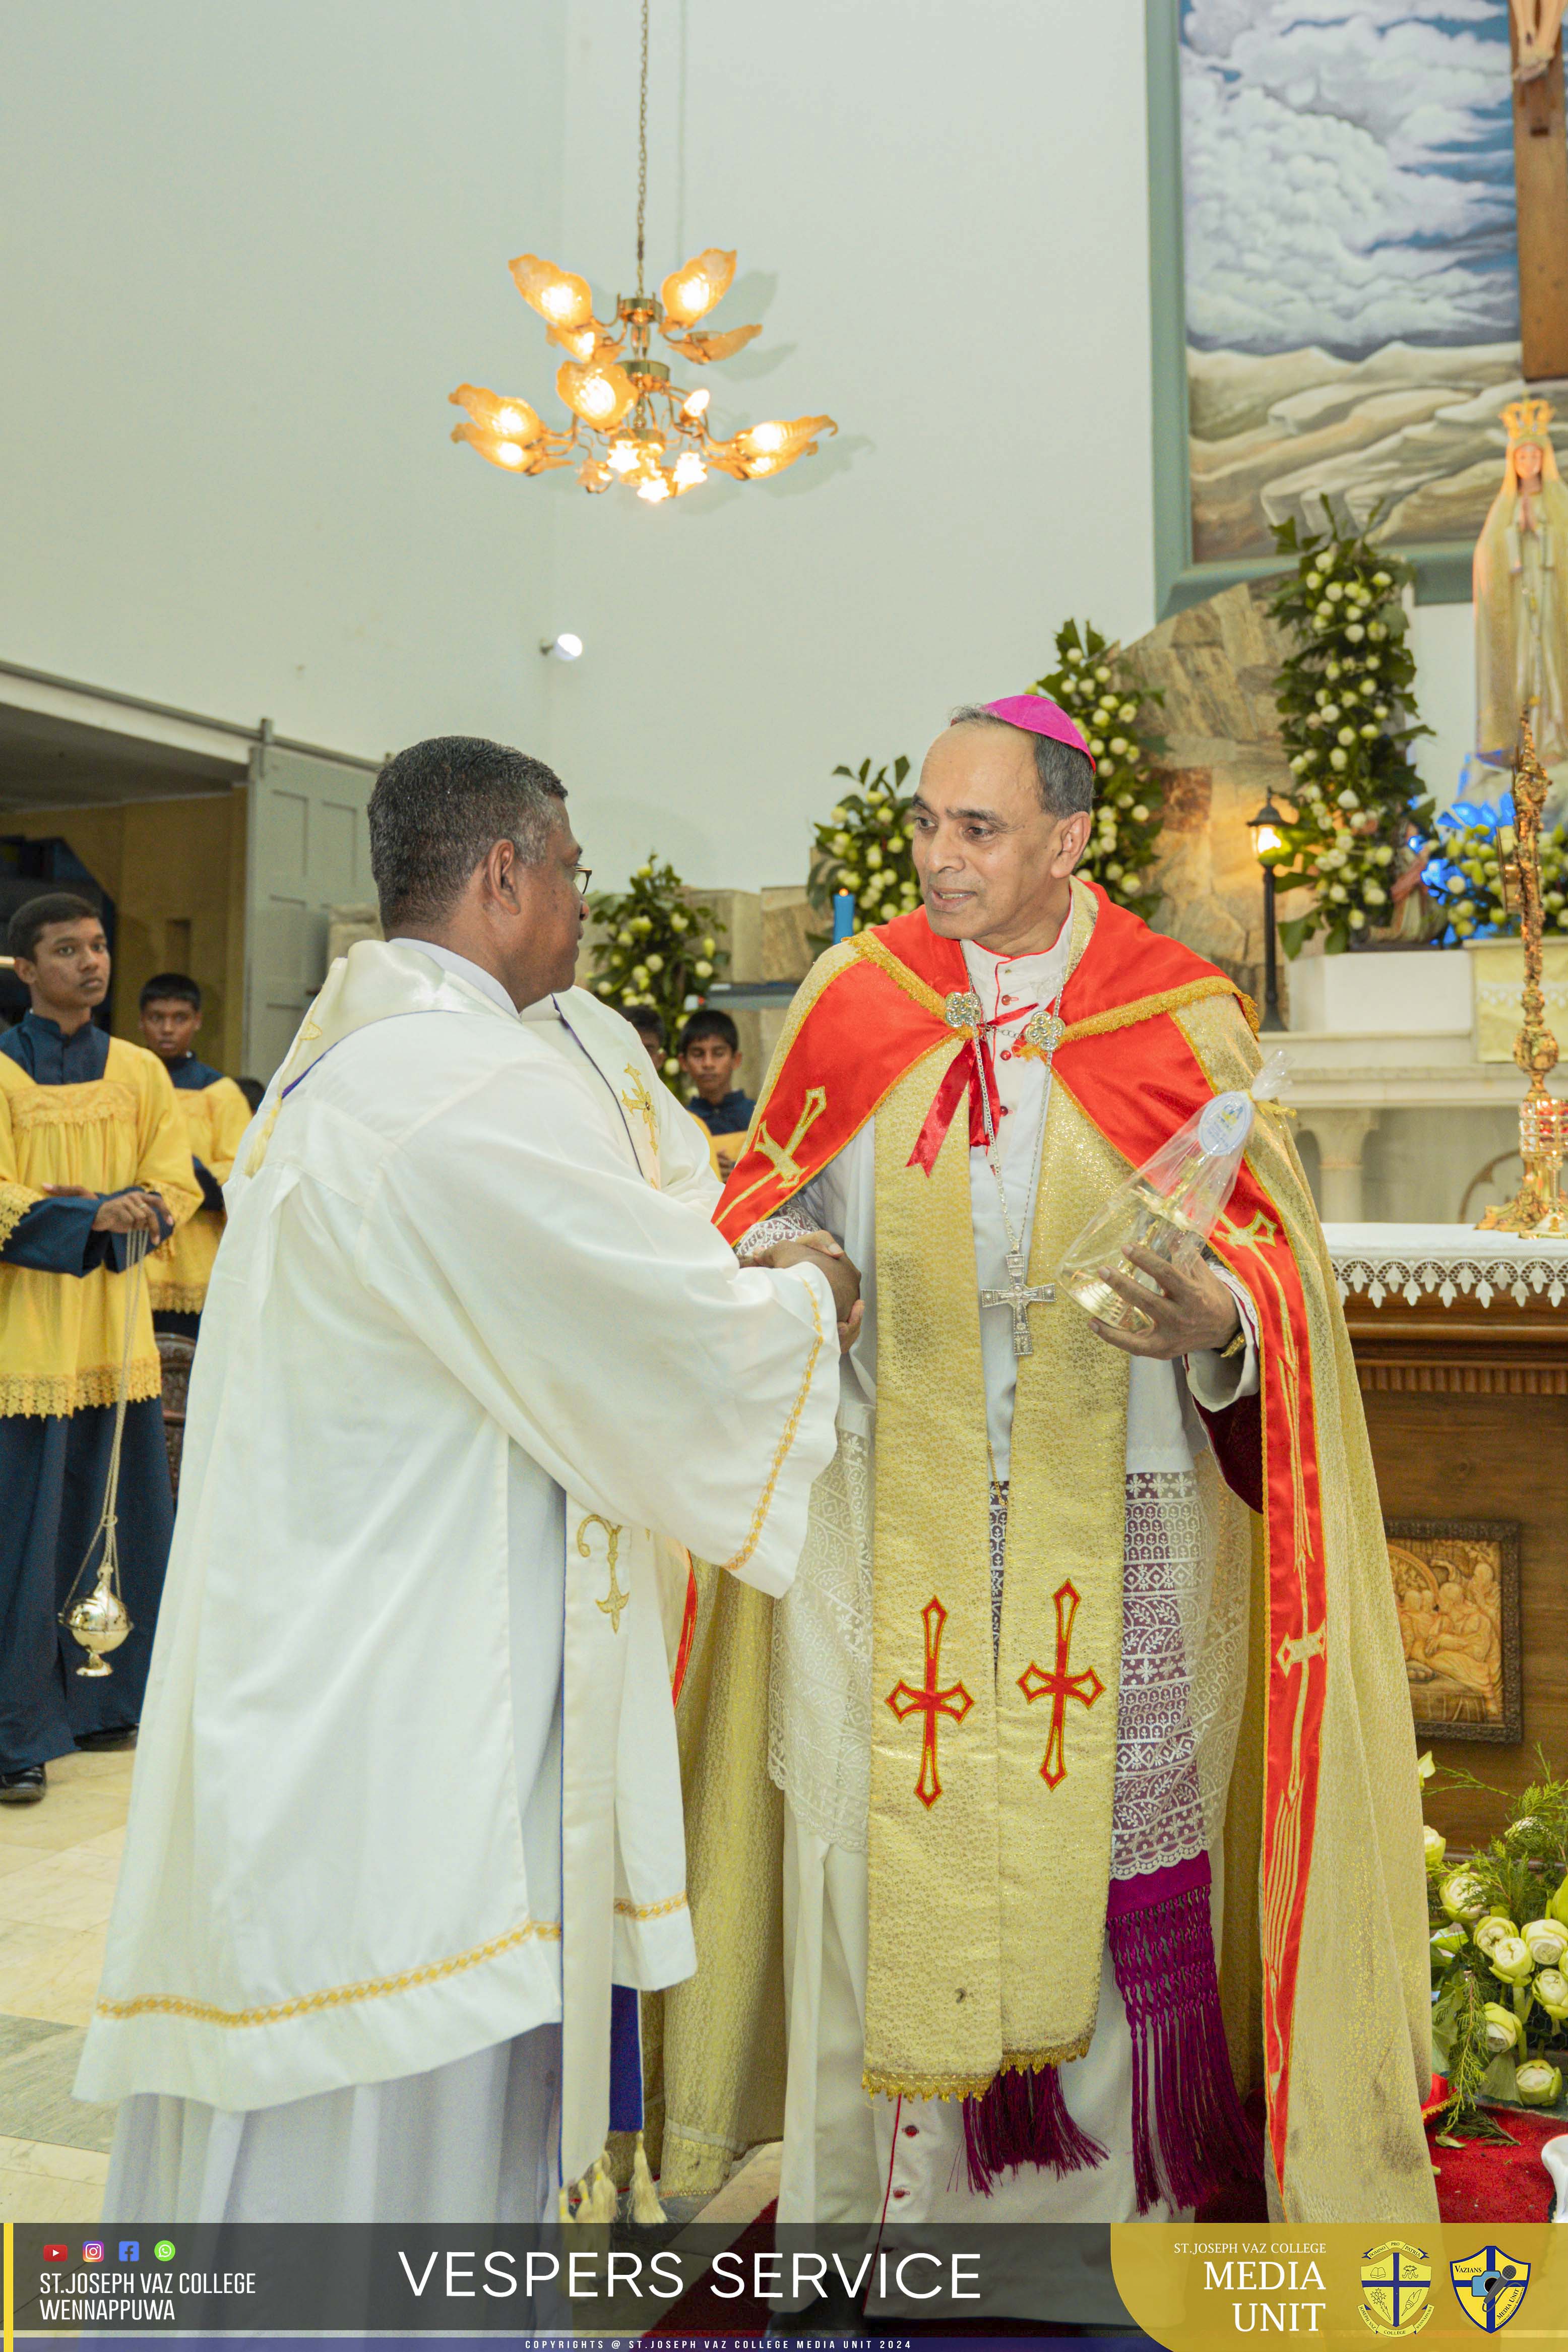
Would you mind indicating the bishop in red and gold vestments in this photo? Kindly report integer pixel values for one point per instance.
(1087, 1710)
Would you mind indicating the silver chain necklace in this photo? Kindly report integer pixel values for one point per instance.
(1044, 1031)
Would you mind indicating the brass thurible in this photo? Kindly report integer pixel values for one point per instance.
(1537, 1207)
(100, 1620)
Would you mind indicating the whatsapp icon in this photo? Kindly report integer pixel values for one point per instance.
(164, 2251)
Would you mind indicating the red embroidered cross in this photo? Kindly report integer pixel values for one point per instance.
(930, 1701)
(1086, 1687)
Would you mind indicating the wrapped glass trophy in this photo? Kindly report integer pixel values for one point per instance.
(1169, 1206)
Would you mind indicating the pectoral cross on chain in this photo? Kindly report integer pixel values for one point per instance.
(1020, 1295)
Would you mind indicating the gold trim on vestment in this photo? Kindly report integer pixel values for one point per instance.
(791, 1426)
(871, 949)
(168, 2005)
(54, 1394)
(88, 1102)
(177, 1297)
(973, 2087)
(637, 1098)
(627, 1910)
(828, 966)
(1146, 1008)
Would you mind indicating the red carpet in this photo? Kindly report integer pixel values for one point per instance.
(1481, 2180)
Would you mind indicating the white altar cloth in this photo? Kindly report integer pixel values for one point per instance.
(1445, 1262)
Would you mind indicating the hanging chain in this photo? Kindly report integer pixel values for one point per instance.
(136, 1249)
(643, 150)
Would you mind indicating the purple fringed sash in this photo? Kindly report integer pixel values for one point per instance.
(1022, 2119)
(1189, 2133)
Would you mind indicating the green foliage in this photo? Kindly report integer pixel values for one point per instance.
(864, 849)
(1459, 2028)
(656, 950)
(1521, 1875)
(1348, 714)
(1096, 687)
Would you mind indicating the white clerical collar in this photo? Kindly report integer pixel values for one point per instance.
(450, 960)
(1039, 974)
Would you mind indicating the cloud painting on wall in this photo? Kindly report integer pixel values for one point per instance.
(1352, 287)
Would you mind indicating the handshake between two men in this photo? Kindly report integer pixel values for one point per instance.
(820, 1249)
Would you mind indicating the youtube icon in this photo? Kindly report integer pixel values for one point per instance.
(56, 2253)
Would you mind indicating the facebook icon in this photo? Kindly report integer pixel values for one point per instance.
(131, 2250)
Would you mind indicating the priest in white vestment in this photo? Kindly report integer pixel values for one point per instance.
(475, 1365)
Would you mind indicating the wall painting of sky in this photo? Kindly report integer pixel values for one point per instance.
(1351, 293)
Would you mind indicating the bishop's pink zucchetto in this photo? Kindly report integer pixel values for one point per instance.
(1040, 716)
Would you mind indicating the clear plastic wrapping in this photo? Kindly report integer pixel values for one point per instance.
(1169, 1206)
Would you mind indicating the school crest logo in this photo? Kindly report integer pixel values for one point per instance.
(1490, 2286)
(1396, 2289)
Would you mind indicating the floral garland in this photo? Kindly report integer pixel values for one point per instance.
(1348, 718)
(1097, 687)
(1500, 1959)
(1464, 872)
(864, 849)
(656, 950)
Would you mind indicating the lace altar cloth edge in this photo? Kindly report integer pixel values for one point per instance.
(1445, 1262)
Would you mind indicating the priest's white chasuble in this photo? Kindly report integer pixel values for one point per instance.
(474, 1366)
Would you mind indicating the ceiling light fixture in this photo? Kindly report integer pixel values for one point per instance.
(629, 423)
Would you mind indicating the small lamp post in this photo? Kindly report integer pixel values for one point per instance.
(1267, 841)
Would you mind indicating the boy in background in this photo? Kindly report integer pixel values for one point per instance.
(651, 1030)
(215, 1114)
(92, 1152)
(709, 1053)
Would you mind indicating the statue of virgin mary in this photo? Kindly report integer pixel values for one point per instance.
(1521, 597)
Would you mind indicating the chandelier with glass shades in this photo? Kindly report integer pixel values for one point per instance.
(629, 423)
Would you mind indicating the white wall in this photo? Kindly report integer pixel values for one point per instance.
(940, 210)
(249, 251)
(253, 249)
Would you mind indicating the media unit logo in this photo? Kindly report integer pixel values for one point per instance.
(1396, 2289)
(1490, 2286)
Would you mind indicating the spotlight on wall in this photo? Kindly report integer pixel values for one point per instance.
(566, 647)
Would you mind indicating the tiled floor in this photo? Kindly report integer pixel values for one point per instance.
(57, 1862)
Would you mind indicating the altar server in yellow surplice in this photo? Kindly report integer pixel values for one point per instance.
(91, 1151)
(217, 1115)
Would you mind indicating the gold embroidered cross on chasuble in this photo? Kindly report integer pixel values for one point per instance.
(988, 1844)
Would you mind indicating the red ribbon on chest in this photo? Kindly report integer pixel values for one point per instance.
(973, 1072)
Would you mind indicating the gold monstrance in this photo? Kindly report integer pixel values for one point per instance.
(1537, 1207)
